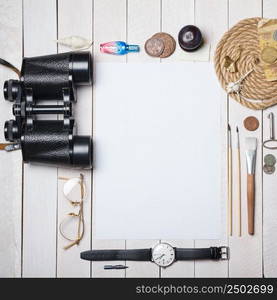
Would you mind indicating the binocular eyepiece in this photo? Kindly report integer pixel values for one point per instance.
(51, 78)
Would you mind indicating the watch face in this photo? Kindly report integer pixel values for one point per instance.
(163, 254)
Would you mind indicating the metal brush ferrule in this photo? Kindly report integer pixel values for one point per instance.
(251, 161)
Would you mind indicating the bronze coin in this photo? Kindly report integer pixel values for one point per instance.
(251, 123)
(269, 169)
(169, 43)
(275, 35)
(270, 160)
(154, 47)
(269, 55)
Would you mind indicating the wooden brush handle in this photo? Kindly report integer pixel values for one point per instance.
(250, 202)
(3, 146)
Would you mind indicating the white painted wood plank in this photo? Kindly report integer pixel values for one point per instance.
(40, 183)
(109, 25)
(98, 266)
(212, 18)
(141, 12)
(269, 182)
(69, 263)
(244, 9)
(246, 252)
(175, 15)
(11, 163)
(270, 9)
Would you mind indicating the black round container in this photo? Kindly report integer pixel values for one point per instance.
(190, 38)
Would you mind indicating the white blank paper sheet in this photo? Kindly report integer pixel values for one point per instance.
(157, 139)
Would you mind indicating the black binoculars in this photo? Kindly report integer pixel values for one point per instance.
(50, 78)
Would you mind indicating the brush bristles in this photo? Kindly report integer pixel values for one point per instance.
(250, 143)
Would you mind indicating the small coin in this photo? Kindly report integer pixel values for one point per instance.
(169, 43)
(251, 123)
(154, 47)
(269, 55)
(275, 35)
(270, 160)
(269, 169)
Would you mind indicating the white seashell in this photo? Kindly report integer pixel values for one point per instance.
(75, 42)
(233, 87)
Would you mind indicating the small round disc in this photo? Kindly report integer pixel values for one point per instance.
(275, 35)
(269, 169)
(154, 47)
(190, 38)
(169, 43)
(270, 160)
(251, 123)
(269, 55)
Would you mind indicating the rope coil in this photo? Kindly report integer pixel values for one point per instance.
(256, 92)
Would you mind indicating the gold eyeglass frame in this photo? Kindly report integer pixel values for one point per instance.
(80, 215)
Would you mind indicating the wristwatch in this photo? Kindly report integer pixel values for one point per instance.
(163, 254)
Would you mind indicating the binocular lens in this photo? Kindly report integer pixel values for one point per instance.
(81, 68)
(11, 89)
(11, 131)
(82, 151)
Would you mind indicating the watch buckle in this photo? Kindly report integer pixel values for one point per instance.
(224, 252)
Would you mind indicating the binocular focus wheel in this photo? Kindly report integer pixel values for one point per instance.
(11, 89)
(11, 131)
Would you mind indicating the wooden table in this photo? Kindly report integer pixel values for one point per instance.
(32, 203)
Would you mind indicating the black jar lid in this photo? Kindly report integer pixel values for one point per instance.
(190, 38)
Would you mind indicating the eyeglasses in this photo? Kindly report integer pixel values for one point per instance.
(74, 191)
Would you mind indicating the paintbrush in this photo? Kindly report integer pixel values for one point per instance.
(230, 201)
(251, 149)
(239, 181)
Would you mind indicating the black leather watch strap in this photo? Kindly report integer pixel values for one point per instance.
(199, 253)
(106, 255)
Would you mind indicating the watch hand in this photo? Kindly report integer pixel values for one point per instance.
(161, 256)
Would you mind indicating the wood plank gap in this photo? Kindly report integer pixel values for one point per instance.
(126, 61)
(91, 173)
(227, 118)
(160, 61)
(161, 15)
(22, 214)
(194, 12)
(262, 178)
(269, 183)
(194, 268)
(22, 164)
(262, 175)
(57, 171)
